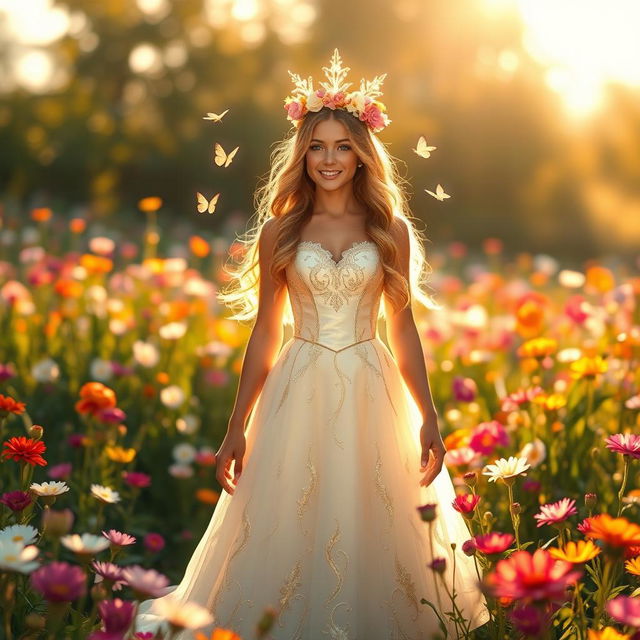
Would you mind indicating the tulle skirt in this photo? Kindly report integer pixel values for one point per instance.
(323, 525)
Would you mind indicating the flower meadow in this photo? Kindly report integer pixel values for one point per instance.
(118, 370)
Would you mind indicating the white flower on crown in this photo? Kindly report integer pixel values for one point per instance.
(314, 102)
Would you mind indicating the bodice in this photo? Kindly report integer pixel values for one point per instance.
(335, 303)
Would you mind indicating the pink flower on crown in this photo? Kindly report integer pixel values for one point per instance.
(334, 101)
(295, 109)
(373, 116)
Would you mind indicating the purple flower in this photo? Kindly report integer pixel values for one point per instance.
(464, 389)
(16, 500)
(59, 582)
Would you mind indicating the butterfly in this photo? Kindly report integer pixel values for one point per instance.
(422, 149)
(222, 158)
(439, 194)
(215, 117)
(205, 205)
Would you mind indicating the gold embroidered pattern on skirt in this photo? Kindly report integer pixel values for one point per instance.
(335, 632)
(292, 582)
(303, 502)
(381, 489)
(384, 380)
(343, 392)
(403, 577)
(328, 549)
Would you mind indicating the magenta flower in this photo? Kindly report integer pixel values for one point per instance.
(16, 500)
(153, 542)
(532, 577)
(147, 582)
(625, 610)
(493, 543)
(111, 415)
(144, 635)
(556, 512)
(487, 436)
(136, 479)
(7, 371)
(464, 389)
(626, 444)
(76, 440)
(530, 620)
(60, 471)
(117, 615)
(469, 547)
(466, 503)
(438, 565)
(59, 582)
(118, 538)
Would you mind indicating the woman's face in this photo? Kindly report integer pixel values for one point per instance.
(330, 160)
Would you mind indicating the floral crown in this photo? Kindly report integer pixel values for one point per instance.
(334, 95)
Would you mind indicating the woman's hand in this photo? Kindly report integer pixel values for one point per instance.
(232, 448)
(432, 443)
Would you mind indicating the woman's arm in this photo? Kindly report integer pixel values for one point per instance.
(266, 335)
(405, 344)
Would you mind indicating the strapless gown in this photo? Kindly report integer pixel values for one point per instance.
(323, 523)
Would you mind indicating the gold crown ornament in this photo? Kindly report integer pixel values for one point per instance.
(363, 104)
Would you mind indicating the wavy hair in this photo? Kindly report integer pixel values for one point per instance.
(287, 194)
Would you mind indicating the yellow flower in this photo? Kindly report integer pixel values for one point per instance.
(576, 552)
(120, 454)
(608, 633)
(633, 566)
(538, 348)
(588, 367)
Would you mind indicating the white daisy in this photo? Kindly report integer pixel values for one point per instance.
(504, 468)
(184, 615)
(105, 494)
(53, 488)
(172, 396)
(184, 453)
(85, 543)
(535, 452)
(14, 556)
(20, 533)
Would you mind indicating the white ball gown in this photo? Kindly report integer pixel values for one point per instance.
(323, 524)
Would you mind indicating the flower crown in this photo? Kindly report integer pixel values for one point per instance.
(333, 94)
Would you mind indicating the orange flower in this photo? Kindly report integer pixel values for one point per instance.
(600, 278)
(68, 288)
(120, 454)
(458, 439)
(77, 225)
(95, 397)
(615, 532)
(26, 450)
(199, 246)
(9, 405)
(576, 552)
(530, 314)
(151, 203)
(218, 634)
(41, 214)
(208, 496)
(96, 264)
(162, 377)
(588, 367)
(608, 633)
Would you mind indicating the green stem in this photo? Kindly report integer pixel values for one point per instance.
(623, 486)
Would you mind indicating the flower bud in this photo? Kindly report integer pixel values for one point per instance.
(469, 547)
(516, 509)
(439, 565)
(427, 512)
(57, 523)
(36, 432)
(487, 518)
(470, 478)
(590, 500)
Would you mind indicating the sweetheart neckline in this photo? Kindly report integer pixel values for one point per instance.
(343, 255)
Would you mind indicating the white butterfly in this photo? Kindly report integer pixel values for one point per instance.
(439, 194)
(222, 158)
(422, 149)
(215, 117)
(205, 205)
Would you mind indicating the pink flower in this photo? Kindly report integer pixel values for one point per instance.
(16, 500)
(153, 542)
(460, 457)
(333, 101)
(374, 117)
(60, 471)
(136, 479)
(116, 617)
(466, 503)
(76, 440)
(532, 577)
(118, 538)
(493, 543)
(111, 415)
(530, 620)
(469, 547)
(110, 573)
(295, 110)
(205, 458)
(520, 399)
(556, 512)
(464, 389)
(59, 582)
(625, 610)
(626, 444)
(487, 436)
(146, 582)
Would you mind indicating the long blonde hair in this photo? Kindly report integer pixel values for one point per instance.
(288, 195)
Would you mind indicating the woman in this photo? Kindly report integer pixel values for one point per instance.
(333, 441)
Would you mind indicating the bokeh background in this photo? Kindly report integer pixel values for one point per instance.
(532, 104)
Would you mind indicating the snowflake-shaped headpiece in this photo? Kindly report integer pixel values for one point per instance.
(334, 94)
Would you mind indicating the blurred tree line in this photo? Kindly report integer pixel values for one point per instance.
(141, 76)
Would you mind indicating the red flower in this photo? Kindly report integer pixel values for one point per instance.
(9, 405)
(24, 449)
(466, 503)
(492, 543)
(532, 577)
(16, 500)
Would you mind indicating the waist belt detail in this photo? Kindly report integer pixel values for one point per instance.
(330, 348)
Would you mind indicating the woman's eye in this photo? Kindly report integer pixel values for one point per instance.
(346, 147)
(315, 147)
